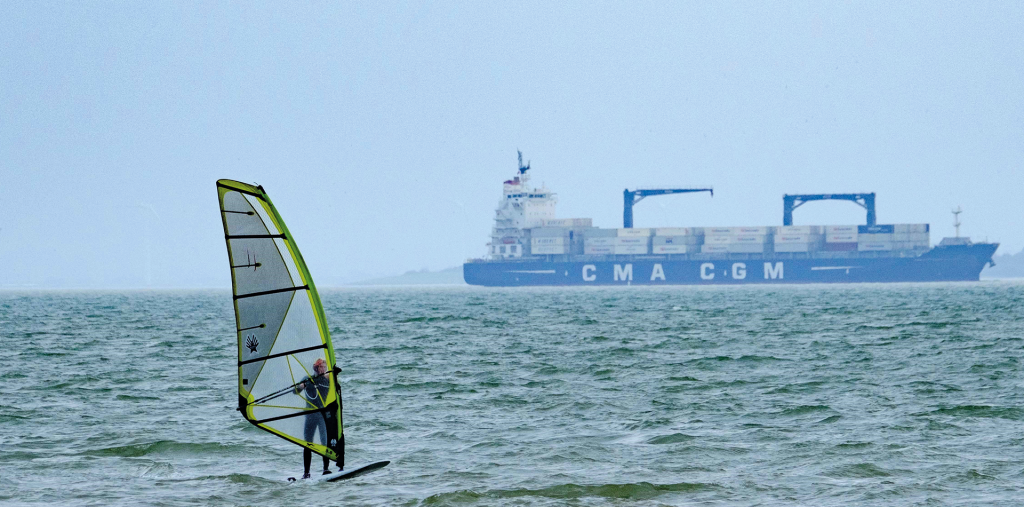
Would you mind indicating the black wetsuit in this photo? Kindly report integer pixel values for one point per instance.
(315, 392)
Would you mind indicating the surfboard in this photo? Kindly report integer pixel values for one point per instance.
(346, 474)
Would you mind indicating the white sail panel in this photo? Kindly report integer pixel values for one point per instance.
(279, 371)
(288, 261)
(260, 319)
(259, 266)
(257, 205)
(240, 218)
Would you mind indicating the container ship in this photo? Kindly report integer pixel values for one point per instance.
(529, 246)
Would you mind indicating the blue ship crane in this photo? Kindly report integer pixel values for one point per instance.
(792, 202)
(631, 197)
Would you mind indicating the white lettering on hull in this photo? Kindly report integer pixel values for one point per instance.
(657, 273)
(624, 274)
(589, 277)
(773, 272)
(707, 271)
(739, 271)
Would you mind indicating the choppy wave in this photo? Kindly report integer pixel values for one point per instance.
(636, 491)
(859, 471)
(674, 438)
(1011, 413)
(168, 447)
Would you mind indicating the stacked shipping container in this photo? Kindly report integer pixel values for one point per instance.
(599, 241)
(876, 238)
(736, 239)
(631, 241)
(558, 239)
(677, 240)
(569, 222)
(549, 241)
(911, 237)
(840, 238)
(798, 238)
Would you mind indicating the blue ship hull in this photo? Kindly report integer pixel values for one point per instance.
(940, 264)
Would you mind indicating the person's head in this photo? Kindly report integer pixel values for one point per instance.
(320, 366)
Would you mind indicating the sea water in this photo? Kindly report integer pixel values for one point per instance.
(807, 395)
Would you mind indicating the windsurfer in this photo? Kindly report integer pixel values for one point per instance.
(315, 389)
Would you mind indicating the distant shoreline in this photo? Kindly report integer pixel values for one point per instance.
(448, 276)
(1008, 267)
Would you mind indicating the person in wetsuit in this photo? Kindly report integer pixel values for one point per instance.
(314, 390)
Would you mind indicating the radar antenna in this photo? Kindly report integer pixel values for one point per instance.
(956, 219)
(522, 168)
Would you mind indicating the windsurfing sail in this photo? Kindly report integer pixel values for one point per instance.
(283, 339)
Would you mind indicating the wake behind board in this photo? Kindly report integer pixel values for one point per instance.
(346, 474)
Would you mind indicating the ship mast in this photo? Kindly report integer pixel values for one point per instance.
(956, 219)
(523, 168)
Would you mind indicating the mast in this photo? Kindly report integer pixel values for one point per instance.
(523, 168)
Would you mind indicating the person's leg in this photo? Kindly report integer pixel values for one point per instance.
(322, 427)
(341, 453)
(308, 428)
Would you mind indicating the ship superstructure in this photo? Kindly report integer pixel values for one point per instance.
(521, 209)
(530, 246)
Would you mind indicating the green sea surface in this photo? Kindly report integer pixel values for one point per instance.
(889, 395)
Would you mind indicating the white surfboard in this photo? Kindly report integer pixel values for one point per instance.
(346, 474)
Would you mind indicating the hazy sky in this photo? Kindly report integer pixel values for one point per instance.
(383, 130)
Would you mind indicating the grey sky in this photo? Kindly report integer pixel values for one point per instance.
(383, 130)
